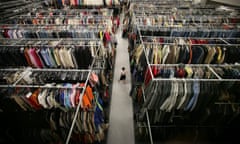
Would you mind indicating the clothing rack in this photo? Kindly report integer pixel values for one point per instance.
(83, 75)
(170, 8)
(208, 66)
(39, 86)
(218, 27)
(58, 87)
(20, 4)
(197, 65)
(156, 2)
(63, 13)
(76, 113)
(156, 43)
(54, 87)
(153, 13)
(153, 7)
(44, 41)
(53, 56)
(3, 40)
(78, 11)
(78, 106)
(12, 10)
(181, 12)
(51, 27)
(176, 3)
(25, 71)
(67, 31)
(226, 40)
(187, 19)
(157, 76)
(66, 16)
(80, 14)
(141, 40)
(48, 45)
(141, 9)
(186, 38)
(192, 30)
(87, 3)
(147, 115)
(144, 111)
(150, 1)
(149, 126)
(13, 4)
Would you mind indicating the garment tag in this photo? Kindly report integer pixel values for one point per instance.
(29, 94)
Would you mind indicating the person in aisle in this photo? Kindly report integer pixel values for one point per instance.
(123, 75)
(114, 41)
(108, 42)
(116, 24)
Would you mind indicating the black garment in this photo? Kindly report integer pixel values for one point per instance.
(83, 57)
(197, 54)
(183, 55)
(123, 77)
(12, 56)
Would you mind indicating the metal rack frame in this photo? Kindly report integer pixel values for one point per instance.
(210, 67)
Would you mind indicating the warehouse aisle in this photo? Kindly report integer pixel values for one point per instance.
(121, 129)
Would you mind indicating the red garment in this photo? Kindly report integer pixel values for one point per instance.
(181, 73)
(117, 21)
(193, 41)
(107, 36)
(202, 41)
(39, 64)
(77, 96)
(5, 33)
(147, 76)
(106, 94)
(161, 40)
(234, 20)
(34, 101)
(154, 70)
(27, 57)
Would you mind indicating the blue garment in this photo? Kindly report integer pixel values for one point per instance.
(196, 90)
(60, 2)
(98, 114)
(67, 94)
(45, 57)
(51, 58)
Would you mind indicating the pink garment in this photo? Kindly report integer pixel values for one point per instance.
(107, 36)
(72, 2)
(73, 95)
(34, 58)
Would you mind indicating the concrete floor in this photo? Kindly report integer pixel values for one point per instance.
(121, 128)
